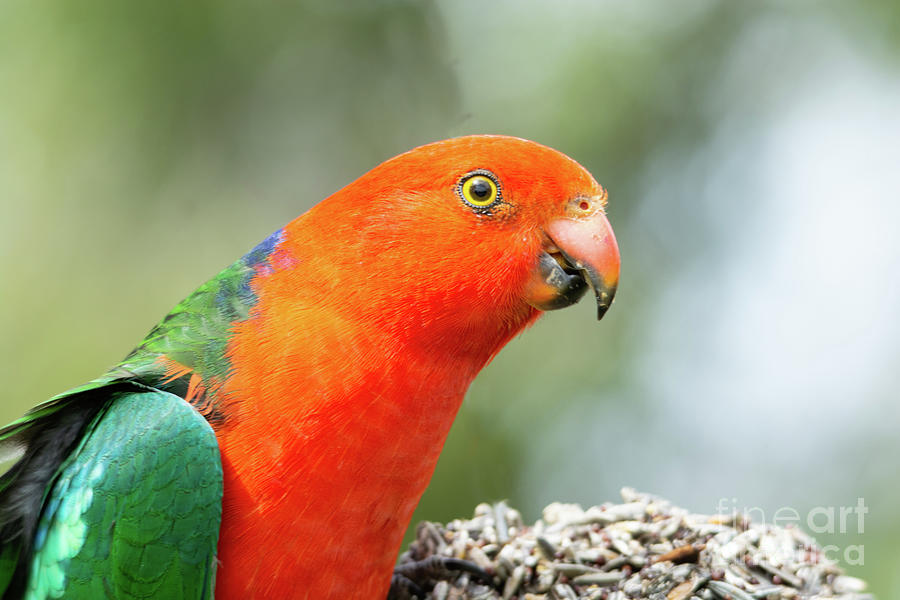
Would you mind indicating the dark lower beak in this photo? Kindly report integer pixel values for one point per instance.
(555, 284)
(584, 253)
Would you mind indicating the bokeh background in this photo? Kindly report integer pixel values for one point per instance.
(752, 152)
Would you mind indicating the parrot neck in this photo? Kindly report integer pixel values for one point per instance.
(331, 438)
(335, 415)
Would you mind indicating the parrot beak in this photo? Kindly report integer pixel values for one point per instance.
(581, 252)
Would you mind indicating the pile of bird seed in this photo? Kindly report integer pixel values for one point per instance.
(642, 548)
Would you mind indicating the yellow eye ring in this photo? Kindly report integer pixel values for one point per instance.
(479, 189)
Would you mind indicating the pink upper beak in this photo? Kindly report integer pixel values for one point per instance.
(589, 245)
(582, 251)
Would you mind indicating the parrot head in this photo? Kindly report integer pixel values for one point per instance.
(470, 234)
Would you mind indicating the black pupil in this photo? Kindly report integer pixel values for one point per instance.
(481, 189)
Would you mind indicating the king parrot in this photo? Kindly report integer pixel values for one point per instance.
(271, 436)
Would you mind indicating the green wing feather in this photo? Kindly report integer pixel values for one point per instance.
(49, 407)
(135, 510)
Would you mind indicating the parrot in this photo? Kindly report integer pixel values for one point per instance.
(272, 435)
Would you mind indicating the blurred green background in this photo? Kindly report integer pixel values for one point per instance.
(751, 150)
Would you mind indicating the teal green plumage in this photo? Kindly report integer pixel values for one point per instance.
(135, 510)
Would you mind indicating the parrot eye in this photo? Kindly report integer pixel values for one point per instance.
(479, 189)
